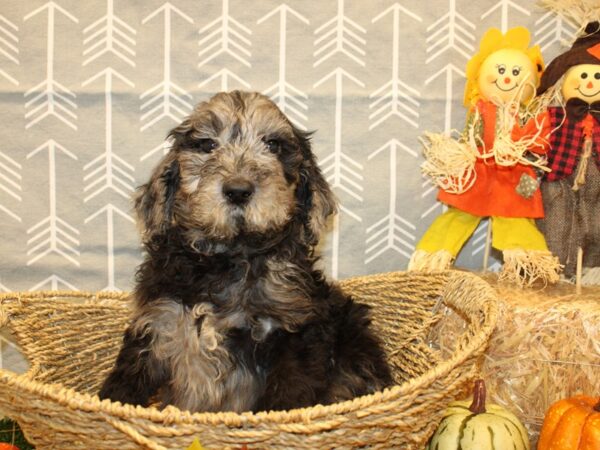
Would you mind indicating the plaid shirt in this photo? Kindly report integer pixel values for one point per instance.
(566, 143)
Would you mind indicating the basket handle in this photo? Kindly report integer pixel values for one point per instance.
(134, 434)
(470, 294)
(4, 308)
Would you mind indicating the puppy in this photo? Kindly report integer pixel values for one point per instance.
(231, 314)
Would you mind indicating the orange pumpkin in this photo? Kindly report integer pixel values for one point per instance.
(572, 424)
(4, 446)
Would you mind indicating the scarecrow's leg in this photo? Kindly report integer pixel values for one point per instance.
(526, 256)
(441, 243)
(561, 225)
(589, 214)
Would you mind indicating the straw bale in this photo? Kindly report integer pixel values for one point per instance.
(546, 347)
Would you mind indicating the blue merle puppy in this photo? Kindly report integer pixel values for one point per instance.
(231, 314)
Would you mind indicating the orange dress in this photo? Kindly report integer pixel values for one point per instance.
(494, 191)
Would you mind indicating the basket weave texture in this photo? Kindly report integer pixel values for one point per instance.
(71, 340)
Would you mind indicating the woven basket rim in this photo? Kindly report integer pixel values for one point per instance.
(171, 414)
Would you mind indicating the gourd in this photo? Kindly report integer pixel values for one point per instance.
(572, 424)
(477, 426)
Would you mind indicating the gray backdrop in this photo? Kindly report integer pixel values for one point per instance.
(89, 90)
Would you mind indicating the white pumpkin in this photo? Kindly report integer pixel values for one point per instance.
(473, 425)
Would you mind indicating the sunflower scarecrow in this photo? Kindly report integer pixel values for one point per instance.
(491, 170)
(571, 192)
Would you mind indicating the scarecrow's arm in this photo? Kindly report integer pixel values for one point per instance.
(537, 130)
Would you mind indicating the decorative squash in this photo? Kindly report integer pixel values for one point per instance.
(479, 426)
(572, 424)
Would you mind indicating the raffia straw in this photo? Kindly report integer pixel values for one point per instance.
(525, 267)
(552, 97)
(430, 262)
(577, 12)
(449, 162)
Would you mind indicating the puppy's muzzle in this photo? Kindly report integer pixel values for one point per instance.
(238, 191)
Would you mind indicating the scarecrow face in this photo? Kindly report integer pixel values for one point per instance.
(582, 81)
(507, 75)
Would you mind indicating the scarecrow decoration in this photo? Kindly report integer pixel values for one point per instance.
(571, 192)
(491, 170)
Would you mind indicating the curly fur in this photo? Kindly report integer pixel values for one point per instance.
(231, 314)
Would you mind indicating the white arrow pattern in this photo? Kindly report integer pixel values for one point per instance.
(342, 35)
(504, 6)
(161, 149)
(50, 98)
(108, 171)
(479, 237)
(10, 182)
(395, 98)
(52, 234)
(225, 35)
(9, 42)
(341, 171)
(448, 72)
(553, 29)
(110, 211)
(109, 34)
(224, 77)
(392, 232)
(166, 99)
(53, 283)
(283, 93)
(478, 246)
(456, 34)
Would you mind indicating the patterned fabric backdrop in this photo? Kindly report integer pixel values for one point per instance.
(90, 88)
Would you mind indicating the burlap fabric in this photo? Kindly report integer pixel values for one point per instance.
(572, 219)
(72, 339)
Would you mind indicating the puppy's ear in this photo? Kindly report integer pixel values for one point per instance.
(154, 201)
(313, 194)
(181, 134)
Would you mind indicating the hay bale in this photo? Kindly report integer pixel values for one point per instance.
(546, 347)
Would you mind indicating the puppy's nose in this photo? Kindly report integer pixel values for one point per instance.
(238, 191)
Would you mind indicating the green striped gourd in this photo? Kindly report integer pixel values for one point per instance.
(476, 426)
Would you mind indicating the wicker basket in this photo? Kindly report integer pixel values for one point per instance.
(71, 340)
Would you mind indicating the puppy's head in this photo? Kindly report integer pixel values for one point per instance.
(237, 166)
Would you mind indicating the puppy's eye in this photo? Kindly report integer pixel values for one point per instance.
(205, 145)
(274, 145)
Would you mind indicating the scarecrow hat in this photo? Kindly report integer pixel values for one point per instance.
(585, 50)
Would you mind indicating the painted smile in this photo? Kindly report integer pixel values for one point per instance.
(585, 95)
(505, 90)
